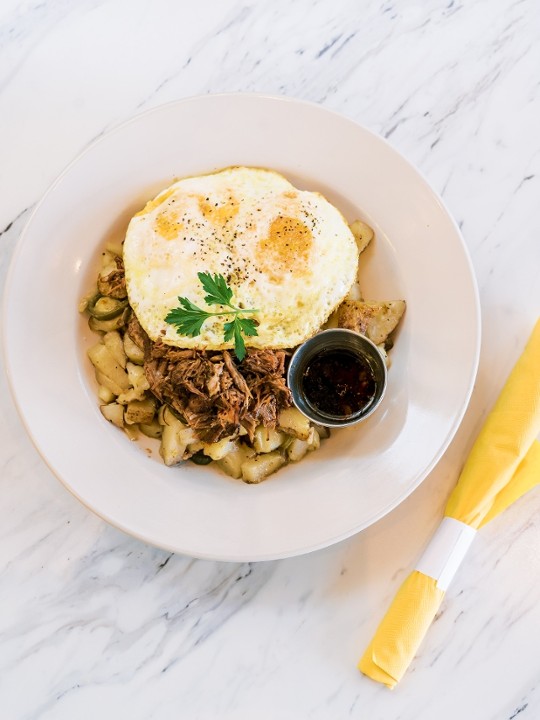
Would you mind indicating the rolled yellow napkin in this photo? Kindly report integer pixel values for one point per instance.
(503, 465)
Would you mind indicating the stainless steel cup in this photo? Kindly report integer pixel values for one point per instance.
(336, 339)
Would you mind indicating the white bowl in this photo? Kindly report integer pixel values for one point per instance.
(361, 472)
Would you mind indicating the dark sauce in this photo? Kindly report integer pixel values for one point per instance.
(339, 383)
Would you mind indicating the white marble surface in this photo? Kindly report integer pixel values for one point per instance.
(96, 624)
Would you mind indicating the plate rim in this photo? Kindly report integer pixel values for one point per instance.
(239, 557)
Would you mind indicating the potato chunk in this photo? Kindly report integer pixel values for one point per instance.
(363, 234)
(257, 468)
(152, 430)
(322, 431)
(137, 377)
(133, 351)
(114, 413)
(218, 450)
(355, 293)
(314, 441)
(107, 383)
(113, 341)
(139, 383)
(140, 411)
(294, 423)
(375, 320)
(132, 431)
(105, 394)
(114, 248)
(172, 448)
(231, 464)
(267, 439)
(298, 448)
(103, 360)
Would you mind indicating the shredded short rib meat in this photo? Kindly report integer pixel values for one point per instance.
(215, 395)
(138, 335)
(114, 284)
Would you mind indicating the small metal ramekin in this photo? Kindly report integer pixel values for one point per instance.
(336, 339)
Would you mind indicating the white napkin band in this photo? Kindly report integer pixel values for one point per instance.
(446, 551)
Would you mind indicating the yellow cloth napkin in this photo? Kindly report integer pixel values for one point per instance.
(503, 465)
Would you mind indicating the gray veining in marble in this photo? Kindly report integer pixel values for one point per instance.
(96, 624)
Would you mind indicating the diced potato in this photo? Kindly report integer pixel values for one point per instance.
(114, 248)
(267, 439)
(176, 437)
(113, 341)
(363, 234)
(130, 395)
(322, 431)
(297, 449)
(286, 442)
(133, 352)
(231, 464)
(259, 467)
(132, 431)
(140, 411)
(314, 440)
(172, 448)
(114, 413)
(188, 435)
(139, 382)
(103, 360)
(218, 450)
(294, 423)
(105, 394)
(354, 293)
(375, 320)
(137, 377)
(106, 382)
(332, 321)
(152, 430)
(108, 263)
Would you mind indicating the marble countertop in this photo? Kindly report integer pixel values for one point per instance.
(96, 624)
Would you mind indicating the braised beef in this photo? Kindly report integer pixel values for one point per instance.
(114, 284)
(215, 394)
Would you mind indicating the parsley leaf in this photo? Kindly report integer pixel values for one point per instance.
(239, 344)
(248, 326)
(219, 293)
(233, 328)
(228, 330)
(189, 318)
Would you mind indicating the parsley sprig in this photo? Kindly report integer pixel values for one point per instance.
(189, 318)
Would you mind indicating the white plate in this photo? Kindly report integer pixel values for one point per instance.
(360, 473)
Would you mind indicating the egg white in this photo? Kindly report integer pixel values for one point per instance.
(287, 253)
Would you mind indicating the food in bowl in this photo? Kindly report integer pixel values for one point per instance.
(220, 277)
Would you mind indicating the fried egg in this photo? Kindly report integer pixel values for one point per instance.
(285, 252)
